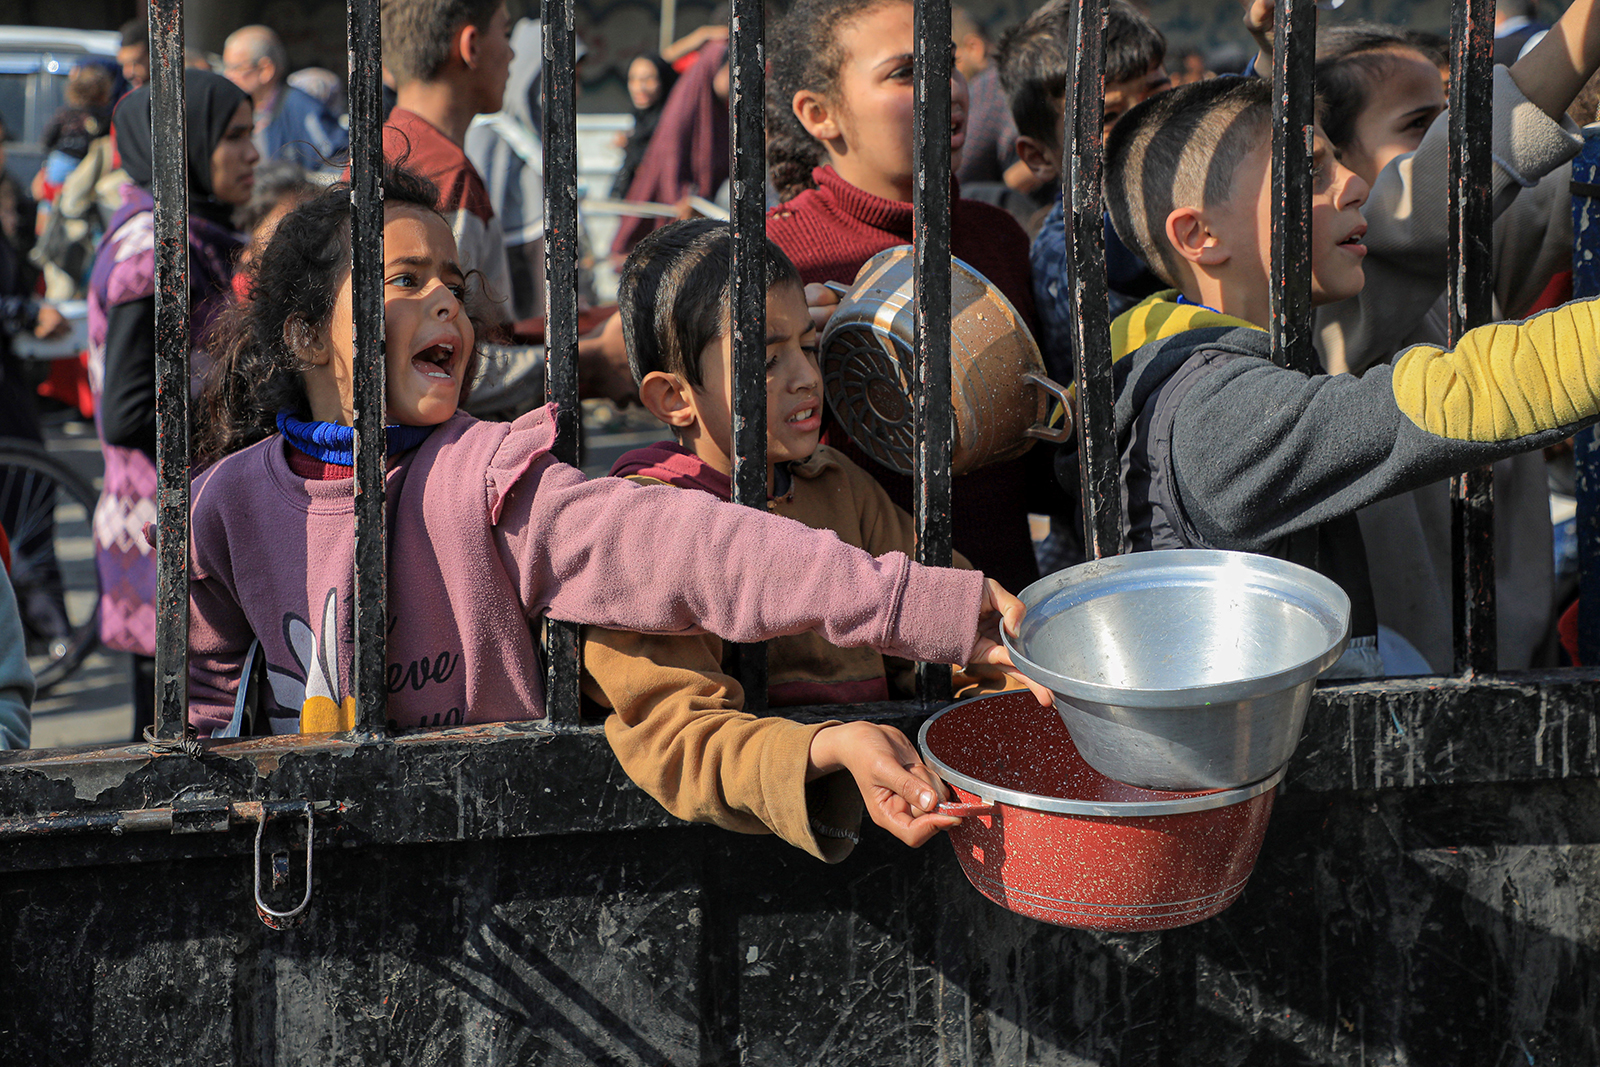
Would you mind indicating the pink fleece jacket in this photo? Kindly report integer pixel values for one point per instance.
(487, 532)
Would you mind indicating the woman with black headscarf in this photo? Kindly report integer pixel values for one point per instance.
(650, 78)
(220, 165)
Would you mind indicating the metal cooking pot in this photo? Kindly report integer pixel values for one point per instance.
(998, 386)
(1182, 669)
(1049, 837)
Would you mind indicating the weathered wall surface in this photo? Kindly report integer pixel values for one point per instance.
(1428, 894)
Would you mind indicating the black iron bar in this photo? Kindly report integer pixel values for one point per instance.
(173, 342)
(933, 418)
(563, 663)
(368, 379)
(748, 310)
(1471, 295)
(1293, 117)
(1099, 466)
(1585, 445)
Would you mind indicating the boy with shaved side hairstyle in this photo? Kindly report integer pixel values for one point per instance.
(1221, 448)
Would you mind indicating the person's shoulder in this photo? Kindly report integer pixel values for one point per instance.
(411, 138)
(238, 476)
(463, 449)
(300, 101)
(828, 467)
(796, 213)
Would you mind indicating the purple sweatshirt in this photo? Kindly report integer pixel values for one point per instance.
(487, 532)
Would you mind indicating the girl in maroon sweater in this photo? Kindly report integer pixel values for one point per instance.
(841, 155)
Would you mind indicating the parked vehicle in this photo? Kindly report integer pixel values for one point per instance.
(34, 64)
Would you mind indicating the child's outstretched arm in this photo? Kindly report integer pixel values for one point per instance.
(679, 731)
(900, 791)
(1259, 452)
(655, 559)
(1556, 68)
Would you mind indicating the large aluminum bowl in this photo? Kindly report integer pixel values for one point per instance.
(1182, 669)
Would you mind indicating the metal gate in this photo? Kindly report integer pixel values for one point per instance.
(1429, 892)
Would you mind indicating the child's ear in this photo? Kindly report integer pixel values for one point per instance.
(666, 396)
(305, 342)
(1191, 237)
(815, 114)
(1042, 159)
(464, 45)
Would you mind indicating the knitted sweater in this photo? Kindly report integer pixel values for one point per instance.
(829, 232)
(487, 533)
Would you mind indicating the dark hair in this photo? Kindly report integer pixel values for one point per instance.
(1351, 60)
(417, 33)
(88, 86)
(295, 279)
(804, 53)
(1180, 148)
(1035, 59)
(276, 180)
(674, 293)
(135, 31)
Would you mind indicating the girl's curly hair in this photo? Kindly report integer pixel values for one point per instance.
(295, 279)
(805, 53)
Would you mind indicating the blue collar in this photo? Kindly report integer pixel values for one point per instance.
(1195, 303)
(332, 443)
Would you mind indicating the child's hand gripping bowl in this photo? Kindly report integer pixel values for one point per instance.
(998, 608)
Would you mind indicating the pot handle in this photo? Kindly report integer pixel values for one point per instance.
(961, 811)
(1059, 391)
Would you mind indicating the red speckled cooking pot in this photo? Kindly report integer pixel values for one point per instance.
(1049, 837)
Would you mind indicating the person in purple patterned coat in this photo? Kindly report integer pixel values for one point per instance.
(221, 161)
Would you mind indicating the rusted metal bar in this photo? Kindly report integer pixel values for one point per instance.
(932, 416)
(1293, 117)
(152, 820)
(1586, 449)
(563, 665)
(747, 141)
(173, 342)
(1471, 299)
(368, 377)
(1099, 466)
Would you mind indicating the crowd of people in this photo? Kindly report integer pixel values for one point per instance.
(1220, 447)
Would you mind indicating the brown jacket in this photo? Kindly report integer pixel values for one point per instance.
(678, 730)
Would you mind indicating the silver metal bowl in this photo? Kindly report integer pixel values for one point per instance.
(1182, 669)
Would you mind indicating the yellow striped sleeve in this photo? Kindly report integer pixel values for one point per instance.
(1506, 380)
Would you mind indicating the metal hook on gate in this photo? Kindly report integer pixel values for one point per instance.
(278, 920)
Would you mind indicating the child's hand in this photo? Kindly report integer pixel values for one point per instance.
(822, 302)
(51, 324)
(1259, 16)
(603, 369)
(900, 791)
(1001, 608)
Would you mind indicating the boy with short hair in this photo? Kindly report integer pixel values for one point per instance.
(450, 60)
(1221, 448)
(1035, 60)
(678, 728)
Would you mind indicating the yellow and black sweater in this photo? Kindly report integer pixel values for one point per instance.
(1221, 448)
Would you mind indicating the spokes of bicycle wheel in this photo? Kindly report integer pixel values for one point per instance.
(48, 513)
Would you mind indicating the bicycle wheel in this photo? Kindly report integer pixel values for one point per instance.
(47, 510)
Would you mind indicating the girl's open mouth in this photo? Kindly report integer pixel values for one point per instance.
(435, 361)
